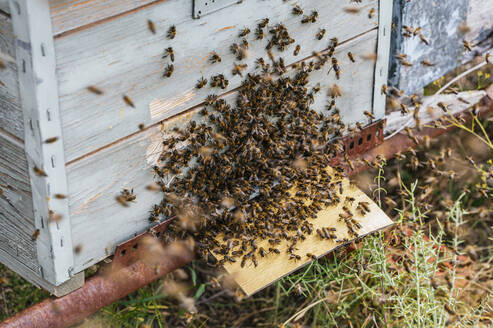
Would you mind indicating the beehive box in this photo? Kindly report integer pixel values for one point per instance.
(55, 49)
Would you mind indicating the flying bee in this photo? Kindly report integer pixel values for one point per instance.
(35, 235)
(351, 56)
(51, 140)
(424, 40)
(39, 172)
(442, 106)
(60, 196)
(214, 58)
(128, 101)
(320, 34)
(169, 52)
(297, 10)
(371, 13)
(467, 45)
(202, 82)
(244, 32)
(427, 63)
(169, 70)
(352, 10)
(296, 50)
(172, 32)
(369, 115)
(151, 26)
(94, 90)
(406, 63)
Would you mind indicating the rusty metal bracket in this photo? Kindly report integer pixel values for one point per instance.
(359, 143)
(127, 252)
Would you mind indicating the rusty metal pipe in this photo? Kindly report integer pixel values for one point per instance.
(100, 291)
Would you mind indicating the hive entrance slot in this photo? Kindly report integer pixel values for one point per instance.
(205, 7)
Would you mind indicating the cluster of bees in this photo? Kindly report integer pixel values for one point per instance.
(255, 172)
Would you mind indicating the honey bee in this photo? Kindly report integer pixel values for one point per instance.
(263, 23)
(244, 32)
(371, 13)
(128, 101)
(369, 115)
(151, 26)
(427, 63)
(424, 40)
(169, 70)
(336, 67)
(487, 57)
(296, 50)
(297, 10)
(351, 56)
(78, 249)
(39, 172)
(467, 45)
(385, 90)
(259, 33)
(2, 65)
(238, 68)
(35, 235)
(172, 32)
(320, 34)
(51, 140)
(202, 82)
(141, 126)
(352, 10)
(60, 196)
(94, 90)
(169, 52)
(214, 58)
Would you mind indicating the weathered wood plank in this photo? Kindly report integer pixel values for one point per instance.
(397, 122)
(122, 57)
(36, 65)
(440, 23)
(99, 222)
(10, 109)
(67, 15)
(252, 278)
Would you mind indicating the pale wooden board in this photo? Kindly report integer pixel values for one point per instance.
(479, 20)
(35, 56)
(272, 267)
(67, 15)
(396, 120)
(99, 223)
(10, 109)
(122, 57)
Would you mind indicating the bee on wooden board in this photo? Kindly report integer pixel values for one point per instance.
(214, 58)
(169, 70)
(320, 34)
(351, 56)
(296, 50)
(169, 52)
(297, 10)
(51, 140)
(39, 172)
(172, 32)
(35, 235)
(202, 82)
(244, 32)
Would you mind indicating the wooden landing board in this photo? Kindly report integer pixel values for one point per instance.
(272, 267)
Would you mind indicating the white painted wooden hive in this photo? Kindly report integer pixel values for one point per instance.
(55, 49)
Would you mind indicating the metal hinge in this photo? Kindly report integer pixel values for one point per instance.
(205, 7)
